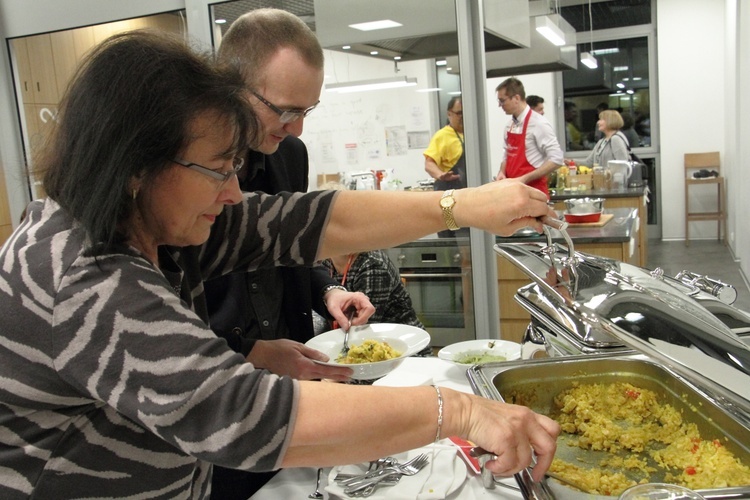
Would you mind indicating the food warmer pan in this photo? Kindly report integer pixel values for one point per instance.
(679, 331)
(536, 382)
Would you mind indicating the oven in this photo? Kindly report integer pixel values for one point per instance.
(437, 276)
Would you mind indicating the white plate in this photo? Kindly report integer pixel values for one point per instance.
(510, 350)
(408, 486)
(409, 340)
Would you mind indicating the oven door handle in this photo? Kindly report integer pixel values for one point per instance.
(431, 275)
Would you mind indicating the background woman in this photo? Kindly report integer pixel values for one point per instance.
(614, 145)
(113, 384)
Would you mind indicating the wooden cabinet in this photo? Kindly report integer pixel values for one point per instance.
(6, 224)
(45, 65)
(36, 69)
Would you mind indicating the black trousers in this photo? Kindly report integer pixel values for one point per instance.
(233, 484)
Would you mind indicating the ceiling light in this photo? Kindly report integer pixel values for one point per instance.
(396, 58)
(376, 84)
(548, 28)
(455, 92)
(620, 85)
(346, 47)
(433, 89)
(441, 62)
(220, 21)
(601, 52)
(375, 25)
(620, 68)
(630, 91)
(373, 52)
(589, 60)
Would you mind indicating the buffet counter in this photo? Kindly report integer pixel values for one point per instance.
(629, 198)
(618, 239)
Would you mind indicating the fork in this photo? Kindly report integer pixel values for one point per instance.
(378, 472)
(345, 350)
(410, 468)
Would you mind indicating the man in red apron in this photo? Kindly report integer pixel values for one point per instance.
(531, 147)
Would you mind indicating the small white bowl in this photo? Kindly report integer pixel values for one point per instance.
(408, 340)
(455, 352)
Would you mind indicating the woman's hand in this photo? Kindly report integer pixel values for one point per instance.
(338, 302)
(501, 207)
(515, 434)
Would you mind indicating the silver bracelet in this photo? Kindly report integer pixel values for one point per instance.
(440, 413)
(328, 288)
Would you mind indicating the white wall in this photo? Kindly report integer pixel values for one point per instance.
(739, 190)
(691, 104)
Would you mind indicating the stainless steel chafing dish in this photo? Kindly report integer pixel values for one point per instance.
(585, 307)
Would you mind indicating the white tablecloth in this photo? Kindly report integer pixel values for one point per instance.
(290, 484)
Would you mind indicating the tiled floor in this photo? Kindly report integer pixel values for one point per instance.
(706, 257)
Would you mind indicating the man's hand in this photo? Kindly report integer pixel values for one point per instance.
(449, 176)
(338, 303)
(287, 357)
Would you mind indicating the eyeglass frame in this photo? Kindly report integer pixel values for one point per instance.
(237, 163)
(457, 113)
(502, 102)
(286, 115)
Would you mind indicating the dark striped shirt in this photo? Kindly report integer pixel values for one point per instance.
(111, 384)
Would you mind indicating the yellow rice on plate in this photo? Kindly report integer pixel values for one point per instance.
(625, 420)
(369, 351)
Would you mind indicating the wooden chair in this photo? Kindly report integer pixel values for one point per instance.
(709, 161)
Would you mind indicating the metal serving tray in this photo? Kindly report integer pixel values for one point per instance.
(545, 378)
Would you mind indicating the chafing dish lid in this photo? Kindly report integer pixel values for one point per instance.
(610, 299)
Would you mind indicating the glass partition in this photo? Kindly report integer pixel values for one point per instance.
(385, 131)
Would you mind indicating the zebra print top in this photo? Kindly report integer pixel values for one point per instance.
(111, 384)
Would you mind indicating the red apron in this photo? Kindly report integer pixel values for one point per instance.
(516, 163)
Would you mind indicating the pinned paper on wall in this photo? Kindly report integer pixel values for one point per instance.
(396, 141)
(419, 139)
(352, 156)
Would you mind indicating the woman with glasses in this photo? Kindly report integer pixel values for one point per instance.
(113, 384)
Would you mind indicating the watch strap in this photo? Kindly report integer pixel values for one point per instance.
(450, 221)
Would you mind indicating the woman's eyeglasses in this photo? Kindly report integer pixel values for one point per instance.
(286, 115)
(222, 177)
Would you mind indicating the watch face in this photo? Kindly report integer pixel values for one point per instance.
(447, 202)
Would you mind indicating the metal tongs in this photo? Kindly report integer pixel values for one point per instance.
(570, 262)
(530, 489)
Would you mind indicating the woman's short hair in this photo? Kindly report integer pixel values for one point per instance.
(612, 119)
(125, 115)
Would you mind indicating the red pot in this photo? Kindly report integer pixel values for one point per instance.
(583, 218)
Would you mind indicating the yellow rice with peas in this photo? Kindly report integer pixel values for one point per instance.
(369, 351)
(643, 436)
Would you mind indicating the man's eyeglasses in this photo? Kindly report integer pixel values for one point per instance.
(502, 102)
(457, 113)
(286, 115)
(222, 177)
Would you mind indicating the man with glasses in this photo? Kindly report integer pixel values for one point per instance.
(267, 315)
(531, 147)
(282, 62)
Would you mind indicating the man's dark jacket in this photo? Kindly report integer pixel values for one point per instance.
(229, 297)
